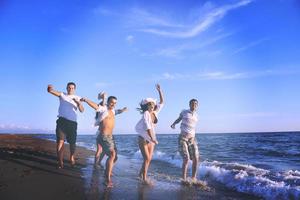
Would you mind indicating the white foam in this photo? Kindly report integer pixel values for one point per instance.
(292, 175)
(249, 179)
(240, 177)
(244, 177)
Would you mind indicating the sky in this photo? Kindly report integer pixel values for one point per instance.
(239, 58)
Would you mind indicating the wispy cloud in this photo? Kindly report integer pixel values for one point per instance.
(211, 18)
(19, 128)
(250, 45)
(130, 39)
(219, 75)
(13, 126)
(177, 51)
(138, 16)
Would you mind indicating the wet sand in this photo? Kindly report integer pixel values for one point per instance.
(29, 171)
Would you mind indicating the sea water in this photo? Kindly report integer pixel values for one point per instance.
(265, 165)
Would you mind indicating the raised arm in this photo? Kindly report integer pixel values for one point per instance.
(52, 91)
(102, 96)
(90, 103)
(161, 96)
(176, 122)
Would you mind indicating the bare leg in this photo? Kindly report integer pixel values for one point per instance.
(184, 168)
(109, 167)
(147, 151)
(195, 168)
(60, 153)
(72, 152)
(99, 155)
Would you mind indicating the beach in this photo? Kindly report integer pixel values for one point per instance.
(29, 171)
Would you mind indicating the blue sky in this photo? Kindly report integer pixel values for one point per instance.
(239, 58)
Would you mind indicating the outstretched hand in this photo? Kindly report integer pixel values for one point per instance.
(157, 87)
(50, 88)
(74, 99)
(124, 109)
(83, 99)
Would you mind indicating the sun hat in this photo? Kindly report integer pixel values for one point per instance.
(148, 100)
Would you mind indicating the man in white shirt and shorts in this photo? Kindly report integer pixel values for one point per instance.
(187, 143)
(66, 124)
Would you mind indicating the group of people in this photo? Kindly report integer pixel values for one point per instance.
(66, 128)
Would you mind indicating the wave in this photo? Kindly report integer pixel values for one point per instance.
(243, 177)
(239, 177)
(252, 180)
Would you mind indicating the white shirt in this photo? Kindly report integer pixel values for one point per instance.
(146, 123)
(103, 113)
(189, 122)
(68, 107)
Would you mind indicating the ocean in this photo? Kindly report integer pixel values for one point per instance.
(265, 165)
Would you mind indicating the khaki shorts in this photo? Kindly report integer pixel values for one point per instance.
(188, 148)
(107, 142)
(142, 141)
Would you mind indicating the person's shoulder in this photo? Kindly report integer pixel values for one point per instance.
(146, 113)
(184, 111)
(101, 108)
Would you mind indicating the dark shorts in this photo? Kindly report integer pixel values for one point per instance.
(188, 148)
(66, 129)
(107, 142)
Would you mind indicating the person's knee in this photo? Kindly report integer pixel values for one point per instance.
(147, 159)
(112, 154)
(60, 142)
(185, 161)
(196, 159)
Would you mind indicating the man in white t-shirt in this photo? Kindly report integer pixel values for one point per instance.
(187, 142)
(66, 124)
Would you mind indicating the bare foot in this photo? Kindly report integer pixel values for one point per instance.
(72, 163)
(60, 165)
(148, 182)
(185, 182)
(108, 184)
(200, 184)
(98, 166)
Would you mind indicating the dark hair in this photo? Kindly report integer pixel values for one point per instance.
(193, 100)
(142, 108)
(71, 83)
(111, 97)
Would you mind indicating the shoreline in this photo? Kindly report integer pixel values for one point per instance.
(176, 133)
(29, 169)
(28, 164)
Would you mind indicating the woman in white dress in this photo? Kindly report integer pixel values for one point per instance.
(145, 128)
